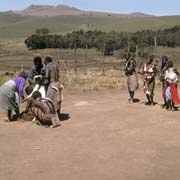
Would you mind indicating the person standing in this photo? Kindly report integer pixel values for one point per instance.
(11, 93)
(164, 67)
(54, 90)
(171, 93)
(149, 71)
(37, 69)
(130, 72)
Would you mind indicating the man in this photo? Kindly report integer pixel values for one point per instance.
(54, 90)
(149, 72)
(42, 109)
(37, 69)
(130, 72)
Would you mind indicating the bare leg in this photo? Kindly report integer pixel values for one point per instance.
(170, 105)
(165, 105)
(132, 95)
(151, 99)
(9, 114)
(148, 98)
(55, 121)
(59, 110)
(17, 114)
(173, 107)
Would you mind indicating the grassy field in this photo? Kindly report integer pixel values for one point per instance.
(13, 26)
(93, 71)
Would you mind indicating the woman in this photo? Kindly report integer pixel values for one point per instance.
(130, 72)
(149, 72)
(171, 77)
(11, 93)
(164, 67)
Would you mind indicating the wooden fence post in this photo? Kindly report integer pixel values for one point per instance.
(102, 57)
(86, 52)
(75, 60)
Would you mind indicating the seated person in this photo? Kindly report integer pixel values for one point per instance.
(42, 109)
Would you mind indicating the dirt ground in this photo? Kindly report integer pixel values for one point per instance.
(102, 137)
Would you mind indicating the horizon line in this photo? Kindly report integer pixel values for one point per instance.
(113, 12)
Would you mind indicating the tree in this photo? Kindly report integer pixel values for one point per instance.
(42, 32)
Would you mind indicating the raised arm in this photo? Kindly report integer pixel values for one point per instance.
(21, 88)
(30, 75)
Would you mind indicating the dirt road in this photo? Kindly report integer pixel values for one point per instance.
(105, 138)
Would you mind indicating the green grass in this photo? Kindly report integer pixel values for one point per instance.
(14, 26)
(8, 18)
(136, 24)
(58, 24)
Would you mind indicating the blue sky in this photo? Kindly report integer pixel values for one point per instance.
(154, 7)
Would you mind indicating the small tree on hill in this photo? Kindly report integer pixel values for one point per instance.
(42, 32)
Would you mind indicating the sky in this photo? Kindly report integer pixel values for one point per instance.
(152, 7)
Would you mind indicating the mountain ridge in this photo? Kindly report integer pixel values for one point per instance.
(49, 10)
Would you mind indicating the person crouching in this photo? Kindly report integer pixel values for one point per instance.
(43, 110)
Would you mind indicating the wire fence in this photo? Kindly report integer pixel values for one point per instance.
(72, 61)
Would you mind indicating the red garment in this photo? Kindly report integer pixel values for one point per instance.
(174, 93)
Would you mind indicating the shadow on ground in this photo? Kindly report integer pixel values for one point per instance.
(64, 117)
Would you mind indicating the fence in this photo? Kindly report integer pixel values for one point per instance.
(79, 61)
(71, 61)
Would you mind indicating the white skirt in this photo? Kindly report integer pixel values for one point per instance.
(8, 98)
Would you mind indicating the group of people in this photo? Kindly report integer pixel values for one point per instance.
(167, 74)
(44, 107)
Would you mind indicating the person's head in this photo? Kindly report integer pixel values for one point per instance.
(23, 74)
(29, 89)
(169, 64)
(47, 60)
(36, 95)
(151, 58)
(127, 55)
(164, 60)
(145, 55)
(37, 61)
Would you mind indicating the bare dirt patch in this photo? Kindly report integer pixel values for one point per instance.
(104, 138)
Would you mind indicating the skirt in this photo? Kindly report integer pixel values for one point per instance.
(149, 85)
(174, 94)
(55, 93)
(132, 82)
(8, 98)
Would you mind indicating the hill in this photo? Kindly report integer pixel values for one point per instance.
(46, 10)
(16, 26)
(62, 19)
(10, 17)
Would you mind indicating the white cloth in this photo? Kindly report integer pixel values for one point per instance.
(171, 76)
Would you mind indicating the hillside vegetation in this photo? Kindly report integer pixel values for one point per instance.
(14, 26)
